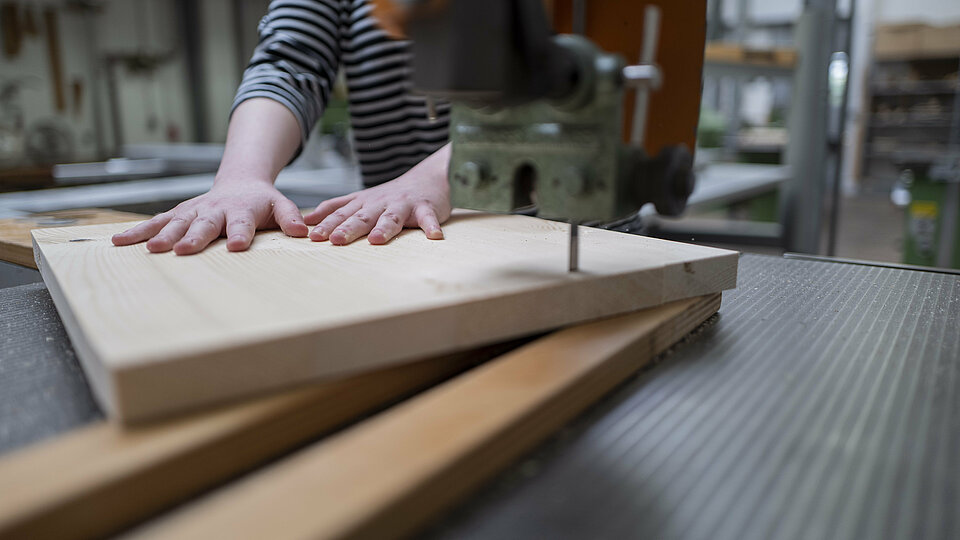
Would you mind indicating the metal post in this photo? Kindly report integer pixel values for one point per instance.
(113, 96)
(574, 261)
(580, 17)
(715, 20)
(951, 199)
(648, 55)
(806, 154)
(239, 21)
(95, 65)
(740, 32)
(838, 142)
(189, 16)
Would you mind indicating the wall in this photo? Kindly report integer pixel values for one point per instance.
(155, 105)
(935, 12)
(223, 57)
(31, 66)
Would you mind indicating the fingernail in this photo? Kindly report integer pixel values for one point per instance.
(339, 237)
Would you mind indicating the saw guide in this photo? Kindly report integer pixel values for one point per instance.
(159, 334)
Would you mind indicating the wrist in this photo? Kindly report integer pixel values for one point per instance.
(433, 169)
(227, 177)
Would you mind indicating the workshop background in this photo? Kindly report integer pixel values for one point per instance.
(123, 105)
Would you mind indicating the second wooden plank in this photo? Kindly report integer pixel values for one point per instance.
(16, 245)
(101, 478)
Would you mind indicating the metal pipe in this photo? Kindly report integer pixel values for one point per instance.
(189, 17)
(951, 202)
(96, 72)
(651, 37)
(113, 95)
(574, 264)
(580, 17)
(802, 209)
(239, 28)
(838, 150)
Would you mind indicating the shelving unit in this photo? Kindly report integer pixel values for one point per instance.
(742, 64)
(913, 93)
(913, 135)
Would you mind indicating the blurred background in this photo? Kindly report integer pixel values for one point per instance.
(122, 105)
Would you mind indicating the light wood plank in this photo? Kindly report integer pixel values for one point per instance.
(735, 53)
(388, 476)
(101, 478)
(16, 246)
(158, 333)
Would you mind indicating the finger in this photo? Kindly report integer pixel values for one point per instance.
(205, 229)
(427, 220)
(144, 231)
(170, 233)
(322, 231)
(326, 208)
(288, 217)
(390, 224)
(357, 225)
(241, 226)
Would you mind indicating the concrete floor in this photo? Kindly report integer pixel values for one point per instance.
(870, 228)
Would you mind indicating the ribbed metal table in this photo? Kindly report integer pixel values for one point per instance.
(823, 401)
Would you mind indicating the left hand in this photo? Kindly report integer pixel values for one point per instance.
(419, 198)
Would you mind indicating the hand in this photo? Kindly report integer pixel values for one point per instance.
(238, 210)
(419, 198)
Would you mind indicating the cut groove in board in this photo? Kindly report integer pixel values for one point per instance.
(388, 476)
(157, 333)
(102, 478)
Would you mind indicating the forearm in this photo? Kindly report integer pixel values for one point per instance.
(261, 139)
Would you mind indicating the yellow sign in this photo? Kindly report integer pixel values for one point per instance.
(924, 209)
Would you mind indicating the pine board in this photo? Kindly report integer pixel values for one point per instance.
(16, 246)
(99, 479)
(392, 474)
(157, 333)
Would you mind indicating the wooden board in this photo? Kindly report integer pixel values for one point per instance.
(162, 333)
(388, 476)
(735, 53)
(102, 478)
(16, 246)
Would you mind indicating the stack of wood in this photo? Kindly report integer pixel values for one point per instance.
(335, 333)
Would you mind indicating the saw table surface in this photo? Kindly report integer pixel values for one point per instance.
(823, 401)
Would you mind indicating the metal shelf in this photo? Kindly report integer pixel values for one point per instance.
(917, 88)
(939, 123)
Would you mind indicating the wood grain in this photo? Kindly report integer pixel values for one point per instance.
(102, 478)
(16, 245)
(157, 333)
(388, 476)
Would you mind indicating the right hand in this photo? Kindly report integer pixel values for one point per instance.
(236, 210)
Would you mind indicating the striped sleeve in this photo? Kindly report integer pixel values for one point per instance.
(296, 60)
(391, 131)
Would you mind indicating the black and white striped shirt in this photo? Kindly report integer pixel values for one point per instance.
(302, 45)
